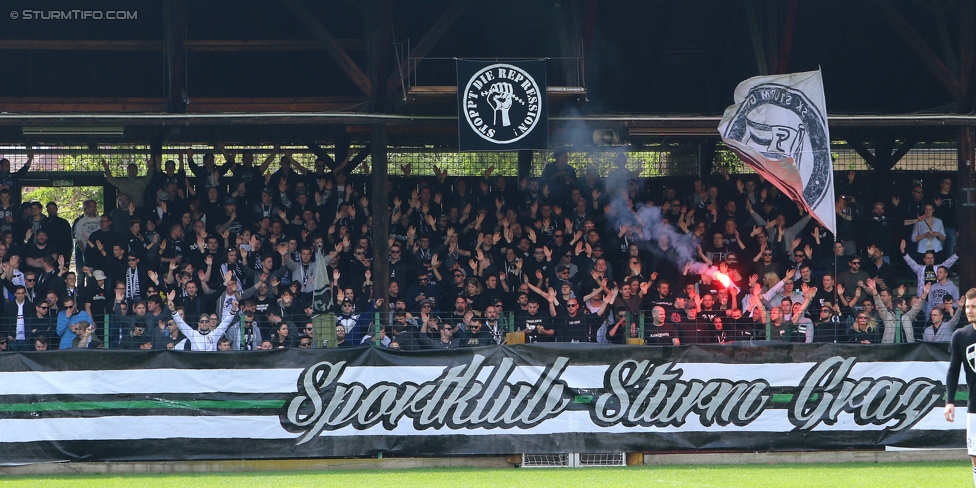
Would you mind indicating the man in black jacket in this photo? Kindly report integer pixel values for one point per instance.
(58, 232)
(41, 324)
(136, 278)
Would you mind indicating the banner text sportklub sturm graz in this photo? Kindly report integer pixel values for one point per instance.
(117, 405)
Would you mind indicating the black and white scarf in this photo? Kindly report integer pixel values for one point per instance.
(132, 284)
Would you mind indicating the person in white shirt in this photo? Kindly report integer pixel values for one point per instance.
(83, 227)
(203, 338)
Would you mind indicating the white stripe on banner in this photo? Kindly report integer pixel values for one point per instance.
(149, 381)
(268, 427)
(257, 381)
(135, 428)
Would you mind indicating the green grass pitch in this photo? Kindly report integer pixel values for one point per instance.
(779, 475)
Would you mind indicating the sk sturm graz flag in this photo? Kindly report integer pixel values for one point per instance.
(502, 105)
(778, 126)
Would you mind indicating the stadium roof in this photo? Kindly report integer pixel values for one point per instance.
(298, 62)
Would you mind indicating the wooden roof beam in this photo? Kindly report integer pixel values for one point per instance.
(305, 17)
(427, 43)
(915, 42)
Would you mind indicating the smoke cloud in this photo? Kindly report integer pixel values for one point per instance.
(651, 232)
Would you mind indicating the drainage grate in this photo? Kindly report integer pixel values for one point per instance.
(574, 460)
(546, 460)
(588, 459)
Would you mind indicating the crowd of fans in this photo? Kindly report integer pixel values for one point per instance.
(206, 256)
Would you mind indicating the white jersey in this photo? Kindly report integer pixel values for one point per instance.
(204, 342)
(85, 226)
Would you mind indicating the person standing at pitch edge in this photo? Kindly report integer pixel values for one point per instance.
(962, 350)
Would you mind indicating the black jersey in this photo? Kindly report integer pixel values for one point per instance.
(662, 335)
(962, 350)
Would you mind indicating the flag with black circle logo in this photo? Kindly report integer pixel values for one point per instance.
(778, 126)
(502, 105)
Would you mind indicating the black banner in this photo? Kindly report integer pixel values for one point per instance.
(502, 105)
(123, 405)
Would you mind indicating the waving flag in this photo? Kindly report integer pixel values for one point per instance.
(778, 126)
(323, 322)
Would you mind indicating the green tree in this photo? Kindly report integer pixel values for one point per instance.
(70, 199)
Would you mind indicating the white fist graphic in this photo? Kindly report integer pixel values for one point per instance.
(501, 101)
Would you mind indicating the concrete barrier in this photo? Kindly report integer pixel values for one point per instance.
(810, 457)
(246, 466)
(484, 462)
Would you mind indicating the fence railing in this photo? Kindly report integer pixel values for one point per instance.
(380, 330)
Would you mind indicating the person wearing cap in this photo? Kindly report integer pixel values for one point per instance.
(356, 325)
(203, 338)
(135, 277)
(455, 288)
(428, 306)
(162, 207)
(143, 343)
(228, 221)
(94, 295)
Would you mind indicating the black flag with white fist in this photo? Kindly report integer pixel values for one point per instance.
(502, 105)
